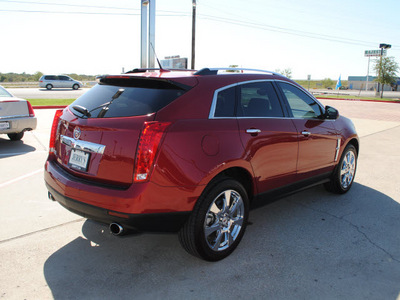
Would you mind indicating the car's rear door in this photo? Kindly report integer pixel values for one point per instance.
(269, 138)
(318, 138)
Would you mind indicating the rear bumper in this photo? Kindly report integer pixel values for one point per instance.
(144, 207)
(157, 222)
(18, 125)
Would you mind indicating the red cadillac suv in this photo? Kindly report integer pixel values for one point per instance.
(190, 151)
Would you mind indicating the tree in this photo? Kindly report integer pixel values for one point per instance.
(286, 72)
(233, 71)
(327, 82)
(386, 69)
(37, 76)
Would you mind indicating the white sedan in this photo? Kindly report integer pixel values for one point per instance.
(16, 115)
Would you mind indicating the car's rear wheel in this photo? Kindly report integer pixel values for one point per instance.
(218, 221)
(16, 136)
(75, 86)
(49, 86)
(343, 177)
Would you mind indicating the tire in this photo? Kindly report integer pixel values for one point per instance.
(75, 86)
(16, 136)
(343, 176)
(218, 221)
(49, 86)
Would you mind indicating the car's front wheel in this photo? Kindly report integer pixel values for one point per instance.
(75, 86)
(343, 176)
(218, 221)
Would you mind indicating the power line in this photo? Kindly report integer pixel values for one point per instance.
(161, 13)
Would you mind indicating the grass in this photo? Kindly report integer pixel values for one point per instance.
(356, 98)
(44, 102)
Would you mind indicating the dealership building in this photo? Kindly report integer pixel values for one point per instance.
(361, 83)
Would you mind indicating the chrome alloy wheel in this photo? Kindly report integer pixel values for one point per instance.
(347, 170)
(224, 220)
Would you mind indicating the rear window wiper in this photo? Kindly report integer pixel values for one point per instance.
(83, 110)
(107, 104)
(86, 113)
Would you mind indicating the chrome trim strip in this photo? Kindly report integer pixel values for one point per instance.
(337, 149)
(82, 145)
(214, 101)
(14, 117)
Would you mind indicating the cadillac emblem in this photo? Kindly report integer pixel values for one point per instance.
(77, 133)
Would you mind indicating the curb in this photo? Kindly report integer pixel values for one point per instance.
(365, 100)
(48, 106)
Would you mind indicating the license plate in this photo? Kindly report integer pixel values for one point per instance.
(4, 125)
(79, 160)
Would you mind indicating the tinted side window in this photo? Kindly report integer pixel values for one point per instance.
(134, 101)
(51, 77)
(63, 78)
(259, 99)
(301, 105)
(225, 106)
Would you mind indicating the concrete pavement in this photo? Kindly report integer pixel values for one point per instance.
(311, 245)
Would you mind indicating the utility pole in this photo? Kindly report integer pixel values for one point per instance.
(147, 33)
(143, 34)
(193, 33)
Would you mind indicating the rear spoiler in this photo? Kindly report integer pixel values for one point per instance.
(142, 82)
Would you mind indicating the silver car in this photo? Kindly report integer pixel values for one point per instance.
(59, 81)
(16, 115)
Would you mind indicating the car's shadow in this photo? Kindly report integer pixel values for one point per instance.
(311, 245)
(57, 89)
(10, 148)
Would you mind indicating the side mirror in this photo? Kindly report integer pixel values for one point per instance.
(331, 113)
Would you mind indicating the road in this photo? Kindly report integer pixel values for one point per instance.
(35, 93)
(311, 245)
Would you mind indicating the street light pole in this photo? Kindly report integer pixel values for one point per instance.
(382, 46)
(193, 33)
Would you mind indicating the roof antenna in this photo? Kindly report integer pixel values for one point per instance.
(159, 64)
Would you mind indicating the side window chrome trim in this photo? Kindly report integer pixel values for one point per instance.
(305, 92)
(215, 97)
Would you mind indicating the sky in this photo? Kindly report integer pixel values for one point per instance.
(324, 39)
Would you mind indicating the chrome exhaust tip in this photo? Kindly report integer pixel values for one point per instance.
(51, 197)
(116, 229)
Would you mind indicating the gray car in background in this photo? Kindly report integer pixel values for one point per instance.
(16, 115)
(59, 81)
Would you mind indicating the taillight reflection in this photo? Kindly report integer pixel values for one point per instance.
(149, 143)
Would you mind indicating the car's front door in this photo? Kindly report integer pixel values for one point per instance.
(318, 138)
(269, 139)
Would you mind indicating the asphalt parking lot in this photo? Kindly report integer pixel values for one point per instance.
(311, 245)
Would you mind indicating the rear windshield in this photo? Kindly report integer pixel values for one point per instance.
(4, 93)
(130, 101)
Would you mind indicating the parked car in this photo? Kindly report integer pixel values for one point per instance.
(16, 115)
(59, 81)
(190, 151)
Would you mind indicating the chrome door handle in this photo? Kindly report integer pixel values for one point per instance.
(306, 133)
(253, 131)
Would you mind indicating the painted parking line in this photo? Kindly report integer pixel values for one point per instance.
(20, 178)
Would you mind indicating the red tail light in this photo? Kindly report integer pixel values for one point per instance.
(149, 143)
(54, 130)
(30, 108)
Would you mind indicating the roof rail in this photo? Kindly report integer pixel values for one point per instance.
(142, 70)
(214, 71)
